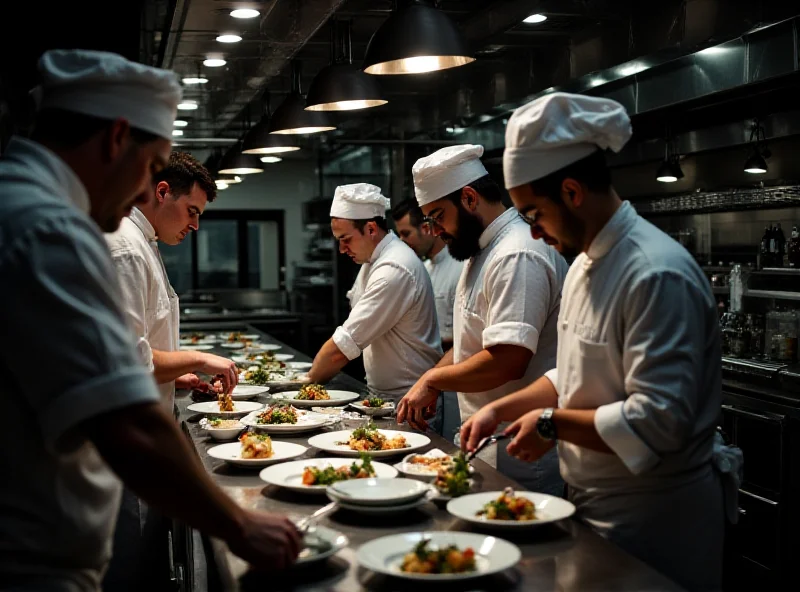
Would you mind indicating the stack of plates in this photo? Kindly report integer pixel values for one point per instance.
(379, 496)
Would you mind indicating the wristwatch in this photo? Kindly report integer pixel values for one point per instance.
(545, 425)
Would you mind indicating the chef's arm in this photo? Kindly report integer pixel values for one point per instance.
(488, 369)
(539, 394)
(167, 366)
(328, 362)
(576, 426)
(145, 448)
(447, 359)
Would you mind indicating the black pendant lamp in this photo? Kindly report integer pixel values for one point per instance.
(341, 86)
(756, 163)
(292, 118)
(669, 171)
(236, 163)
(416, 38)
(259, 141)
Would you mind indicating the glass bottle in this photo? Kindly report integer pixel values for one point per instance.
(793, 249)
(736, 284)
(763, 249)
(780, 246)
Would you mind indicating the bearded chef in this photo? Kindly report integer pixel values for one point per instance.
(507, 300)
(635, 396)
(393, 315)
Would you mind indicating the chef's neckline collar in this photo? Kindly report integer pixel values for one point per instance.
(379, 248)
(141, 221)
(617, 227)
(490, 232)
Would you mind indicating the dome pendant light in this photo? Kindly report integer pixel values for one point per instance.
(670, 169)
(756, 163)
(341, 86)
(292, 118)
(259, 141)
(236, 163)
(416, 38)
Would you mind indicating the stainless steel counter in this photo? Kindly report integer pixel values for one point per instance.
(567, 556)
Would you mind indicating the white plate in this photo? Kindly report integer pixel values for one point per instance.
(212, 408)
(335, 540)
(385, 555)
(379, 510)
(234, 345)
(247, 391)
(278, 358)
(548, 509)
(231, 453)
(421, 471)
(258, 348)
(329, 443)
(205, 340)
(337, 398)
(300, 380)
(298, 365)
(307, 421)
(197, 347)
(221, 433)
(378, 492)
(290, 474)
(248, 336)
(387, 409)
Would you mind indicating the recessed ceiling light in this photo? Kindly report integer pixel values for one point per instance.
(195, 80)
(177, 132)
(271, 159)
(214, 62)
(180, 123)
(221, 185)
(535, 18)
(229, 38)
(244, 13)
(187, 105)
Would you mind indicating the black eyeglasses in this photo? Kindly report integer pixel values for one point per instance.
(529, 219)
(434, 220)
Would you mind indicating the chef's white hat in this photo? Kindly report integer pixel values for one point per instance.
(108, 86)
(445, 171)
(557, 130)
(360, 201)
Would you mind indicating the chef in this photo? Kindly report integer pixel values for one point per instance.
(83, 412)
(445, 272)
(507, 302)
(634, 398)
(180, 193)
(392, 319)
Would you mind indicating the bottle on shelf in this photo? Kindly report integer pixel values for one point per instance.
(736, 284)
(780, 246)
(793, 249)
(763, 249)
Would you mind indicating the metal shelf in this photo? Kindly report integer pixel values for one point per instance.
(777, 271)
(775, 294)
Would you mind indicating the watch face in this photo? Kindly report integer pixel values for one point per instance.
(546, 427)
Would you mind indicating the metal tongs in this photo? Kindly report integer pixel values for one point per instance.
(307, 522)
(486, 442)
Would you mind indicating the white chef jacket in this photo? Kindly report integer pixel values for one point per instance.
(67, 356)
(392, 319)
(150, 302)
(639, 341)
(509, 293)
(445, 271)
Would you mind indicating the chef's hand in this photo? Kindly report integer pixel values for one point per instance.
(227, 370)
(477, 427)
(267, 541)
(187, 381)
(416, 404)
(527, 445)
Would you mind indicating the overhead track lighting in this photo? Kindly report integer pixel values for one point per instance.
(341, 86)
(292, 118)
(669, 171)
(756, 163)
(259, 141)
(236, 163)
(416, 38)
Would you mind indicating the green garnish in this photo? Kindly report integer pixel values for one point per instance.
(376, 402)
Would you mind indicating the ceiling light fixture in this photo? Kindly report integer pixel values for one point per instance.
(669, 171)
(244, 13)
(221, 185)
(177, 132)
(341, 86)
(535, 19)
(236, 163)
(270, 159)
(259, 141)
(228, 38)
(214, 62)
(180, 123)
(416, 38)
(195, 80)
(756, 163)
(231, 180)
(292, 118)
(188, 105)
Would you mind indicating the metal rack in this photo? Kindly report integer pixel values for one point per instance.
(721, 201)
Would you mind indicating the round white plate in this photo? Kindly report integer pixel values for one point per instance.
(333, 540)
(378, 492)
(233, 345)
(248, 336)
(278, 358)
(548, 509)
(300, 380)
(257, 348)
(307, 421)
(329, 442)
(197, 347)
(379, 510)
(204, 340)
(290, 474)
(387, 409)
(385, 555)
(337, 398)
(231, 453)
(247, 391)
(221, 433)
(298, 365)
(212, 408)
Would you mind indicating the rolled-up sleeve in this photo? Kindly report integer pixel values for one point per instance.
(64, 305)
(518, 288)
(662, 359)
(390, 293)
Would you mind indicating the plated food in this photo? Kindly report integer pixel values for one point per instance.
(212, 408)
(301, 398)
(280, 418)
(256, 450)
(373, 402)
(220, 428)
(374, 406)
(508, 506)
(218, 423)
(369, 438)
(259, 376)
(363, 469)
(277, 414)
(510, 510)
(313, 392)
(290, 475)
(225, 402)
(378, 442)
(427, 559)
(256, 445)
(453, 479)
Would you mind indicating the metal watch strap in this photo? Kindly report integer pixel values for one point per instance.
(545, 425)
